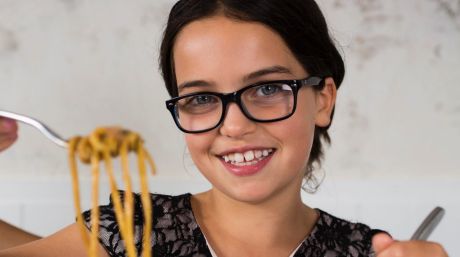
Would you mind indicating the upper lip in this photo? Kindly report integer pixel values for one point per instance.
(243, 149)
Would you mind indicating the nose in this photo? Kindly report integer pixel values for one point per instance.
(235, 123)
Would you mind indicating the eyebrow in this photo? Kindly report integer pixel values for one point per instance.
(191, 84)
(277, 69)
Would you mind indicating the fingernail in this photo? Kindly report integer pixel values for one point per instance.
(7, 123)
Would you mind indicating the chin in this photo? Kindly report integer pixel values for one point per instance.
(250, 195)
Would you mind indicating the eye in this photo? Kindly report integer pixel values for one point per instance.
(270, 90)
(198, 103)
(201, 99)
(266, 90)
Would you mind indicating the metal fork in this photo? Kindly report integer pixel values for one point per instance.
(429, 224)
(45, 130)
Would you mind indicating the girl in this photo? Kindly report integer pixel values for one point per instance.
(253, 86)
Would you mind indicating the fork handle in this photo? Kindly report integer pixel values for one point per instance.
(50, 134)
(429, 224)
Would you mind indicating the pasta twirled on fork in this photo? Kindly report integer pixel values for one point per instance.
(103, 144)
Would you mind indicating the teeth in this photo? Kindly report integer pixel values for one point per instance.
(265, 153)
(239, 157)
(250, 157)
(244, 163)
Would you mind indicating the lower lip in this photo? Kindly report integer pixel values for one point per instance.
(247, 170)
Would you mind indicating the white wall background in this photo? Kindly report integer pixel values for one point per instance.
(81, 64)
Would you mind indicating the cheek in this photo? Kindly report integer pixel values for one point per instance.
(296, 134)
(300, 138)
(198, 146)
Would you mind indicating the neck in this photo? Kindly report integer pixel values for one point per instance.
(280, 210)
(282, 219)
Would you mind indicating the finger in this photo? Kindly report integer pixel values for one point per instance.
(8, 133)
(413, 249)
(6, 142)
(381, 241)
(8, 126)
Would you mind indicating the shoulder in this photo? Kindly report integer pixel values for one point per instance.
(175, 231)
(172, 211)
(336, 237)
(163, 204)
(168, 210)
(171, 203)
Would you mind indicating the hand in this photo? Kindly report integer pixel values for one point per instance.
(385, 246)
(8, 133)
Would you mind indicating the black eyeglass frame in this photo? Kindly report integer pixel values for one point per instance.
(235, 97)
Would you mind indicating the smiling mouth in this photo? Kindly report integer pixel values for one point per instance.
(250, 157)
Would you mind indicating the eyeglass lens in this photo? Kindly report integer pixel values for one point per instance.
(262, 102)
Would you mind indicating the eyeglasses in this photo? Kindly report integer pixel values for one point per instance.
(268, 101)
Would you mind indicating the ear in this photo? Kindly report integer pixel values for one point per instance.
(325, 102)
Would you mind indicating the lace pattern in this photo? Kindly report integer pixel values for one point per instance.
(176, 232)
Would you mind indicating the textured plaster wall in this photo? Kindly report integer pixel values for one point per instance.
(81, 64)
(398, 113)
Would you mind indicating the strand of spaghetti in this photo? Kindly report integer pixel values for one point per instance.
(95, 209)
(76, 192)
(129, 201)
(150, 161)
(146, 201)
(119, 214)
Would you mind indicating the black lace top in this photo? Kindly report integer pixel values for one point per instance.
(176, 232)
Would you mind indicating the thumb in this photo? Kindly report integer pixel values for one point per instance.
(381, 241)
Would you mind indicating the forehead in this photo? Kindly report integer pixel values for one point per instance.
(226, 49)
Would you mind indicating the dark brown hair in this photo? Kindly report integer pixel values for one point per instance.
(300, 23)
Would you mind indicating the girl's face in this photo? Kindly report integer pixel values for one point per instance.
(224, 55)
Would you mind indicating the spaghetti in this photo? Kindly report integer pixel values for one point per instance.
(102, 145)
